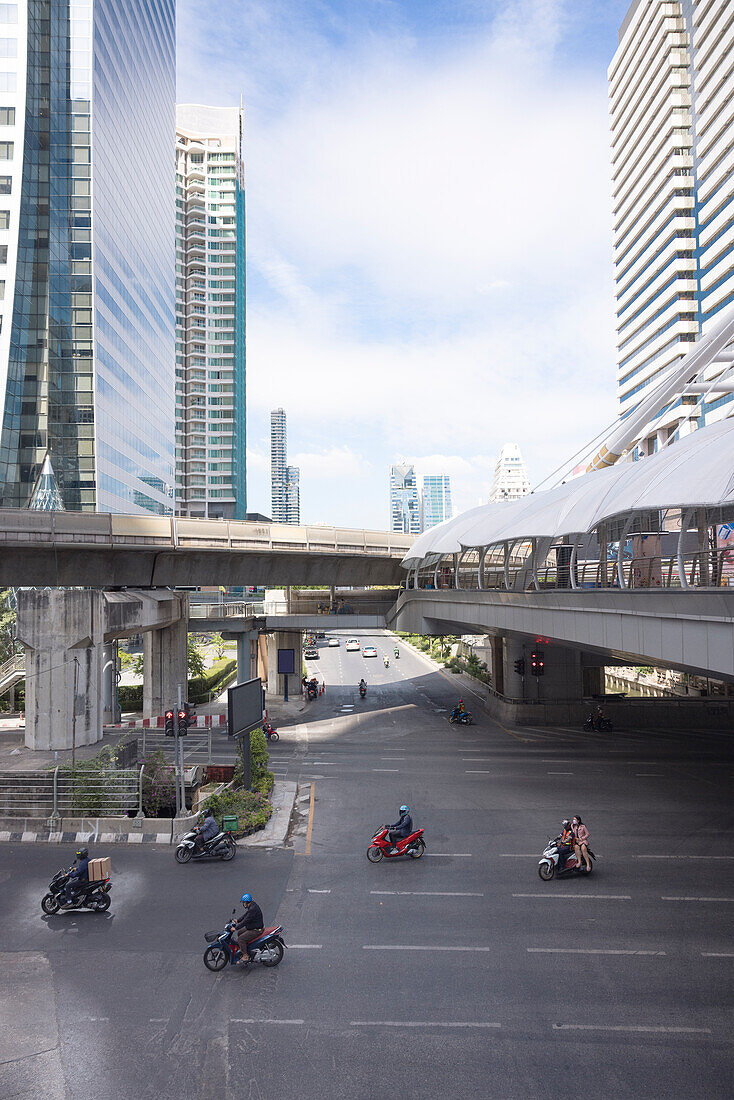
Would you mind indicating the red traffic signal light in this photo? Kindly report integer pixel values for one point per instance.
(186, 718)
(170, 724)
(537, 663)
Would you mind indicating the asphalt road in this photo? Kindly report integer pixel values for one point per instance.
(458, 975)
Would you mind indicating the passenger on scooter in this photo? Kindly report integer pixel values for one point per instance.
(581, 842)
(207, 831)
(565, 843)
(78, 876)
(362, 685)
(403, 827)
(458, 709)
(249, 926)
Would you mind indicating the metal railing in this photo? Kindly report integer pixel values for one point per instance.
(197, 744)
(294, 606)
(58, 794)
(10, 670)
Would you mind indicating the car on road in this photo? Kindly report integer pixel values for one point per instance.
(310, 654)
(369, 651)
(352, 645)
(333, 642)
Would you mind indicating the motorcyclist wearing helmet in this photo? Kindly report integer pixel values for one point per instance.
(78, 875)
(565, 843)
(458, 709)
(403, 827)
(249, 926)
(363, 684)
(206, 831)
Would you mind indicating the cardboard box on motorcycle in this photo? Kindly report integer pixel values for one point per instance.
(99, 869)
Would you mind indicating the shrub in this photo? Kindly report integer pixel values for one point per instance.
(260, 778)
(159, 785)
(253, 809)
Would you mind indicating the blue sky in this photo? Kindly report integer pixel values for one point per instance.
(429, 233)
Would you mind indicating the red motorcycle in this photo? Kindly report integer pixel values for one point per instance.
(270, 733)
(413, 845)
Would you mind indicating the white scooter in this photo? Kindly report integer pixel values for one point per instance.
(548, 867)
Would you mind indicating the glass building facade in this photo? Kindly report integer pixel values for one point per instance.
(435, 500)
(87, 310)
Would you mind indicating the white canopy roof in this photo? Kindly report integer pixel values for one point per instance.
(697, 471)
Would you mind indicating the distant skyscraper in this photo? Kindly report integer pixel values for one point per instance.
(87, 244)
(210, 313)
(293, 494)
(284, 479)
(672, 122)
(435, 500)
(510, 476)
(405, 512)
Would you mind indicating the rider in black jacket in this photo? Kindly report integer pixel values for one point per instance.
(249, 926)
(403, 826)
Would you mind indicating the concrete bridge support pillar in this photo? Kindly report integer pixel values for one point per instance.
(109, 673)
(562, 675)
(165, 666)
(246, 655)
(63, 635)
(284, 639)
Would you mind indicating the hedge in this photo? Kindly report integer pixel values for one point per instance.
(253, 810)
(130, 696)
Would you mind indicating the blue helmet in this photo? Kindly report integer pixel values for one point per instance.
(405, 809)
(246, 899)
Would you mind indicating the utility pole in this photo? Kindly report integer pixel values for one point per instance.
(180, 756)
(73, 714)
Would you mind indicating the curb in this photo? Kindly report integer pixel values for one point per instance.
(276, 830)
(50, 837)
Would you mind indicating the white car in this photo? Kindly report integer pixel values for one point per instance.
(369, 651)
(333, 643)
(352, 644)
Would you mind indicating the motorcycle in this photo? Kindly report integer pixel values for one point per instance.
(222, 846)
(462, 717)
(362, 691)
(312, 689)
(413, 845)
(270, 733)
(386, 662)
(90, 895)
(548, 867)
(397, 653)
(599, 723)
(223, 948)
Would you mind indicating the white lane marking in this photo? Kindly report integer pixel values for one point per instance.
(696, 899)
(386, 769)
(392, 758)
(241, 1021)
(158, 1020)
(420, 1023)
(559, 773)
(718, 954)
(318, 891)
(519, 855)
(449, 855)
(415, 947)
(476, 760)
(580, 897)
(305, 946)
(587, 951)
(653, 1030)
(427, 893)
(477, 771)
(682, 857)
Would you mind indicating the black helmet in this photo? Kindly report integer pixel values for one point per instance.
(82, 853)
(565, 823)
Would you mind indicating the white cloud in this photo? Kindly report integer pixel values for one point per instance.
(429, 237)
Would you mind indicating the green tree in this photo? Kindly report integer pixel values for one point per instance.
(219, 644)
(7, 623)
(194, 658)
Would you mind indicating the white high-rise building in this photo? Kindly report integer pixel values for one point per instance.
(510, 476)
(672, 128)
(405, 508)
(435, 500)
(284, 479)
(210, 313)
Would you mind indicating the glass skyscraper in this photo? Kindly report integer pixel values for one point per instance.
(435, 500)
(285, 480)
(210, 313)
(87, 245)
(405, 509)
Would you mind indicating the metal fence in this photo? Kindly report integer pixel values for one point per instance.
(197, 745)
(114, 793)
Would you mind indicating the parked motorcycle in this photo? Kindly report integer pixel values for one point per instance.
(598, 722)
(413, 845)
(222, 846)
(549, 865)
(461, 717)
(223, 948)
(90, 895)
(270, 733)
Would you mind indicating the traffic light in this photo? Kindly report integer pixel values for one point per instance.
(186, 718)
(170, 723)
(537, 663)
(520, 666)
